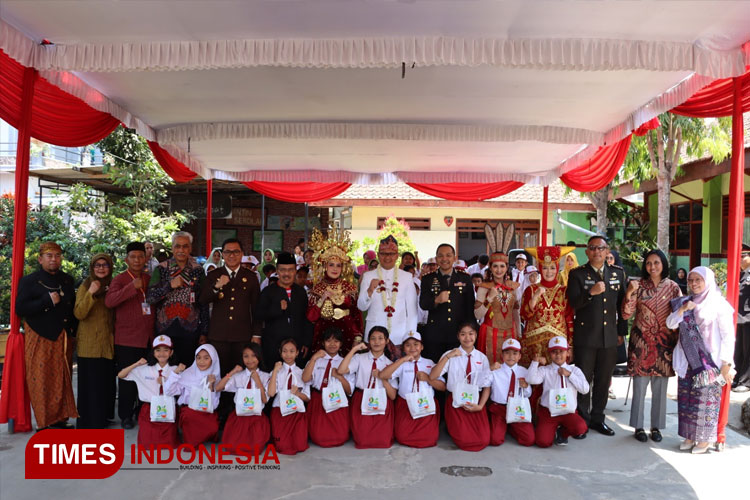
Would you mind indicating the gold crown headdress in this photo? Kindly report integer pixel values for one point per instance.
(336, 244)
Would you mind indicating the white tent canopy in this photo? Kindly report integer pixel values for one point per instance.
(293, 90)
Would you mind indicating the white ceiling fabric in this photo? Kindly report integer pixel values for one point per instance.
(292, 90)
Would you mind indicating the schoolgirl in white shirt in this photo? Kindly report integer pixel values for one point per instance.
(370, 431)
(508, 379)
(289, 432)
(197, 425)
(467, 425)
(413, 374)
(247, 430)
(327, 429)
(150, 377)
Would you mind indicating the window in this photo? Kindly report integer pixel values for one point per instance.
(725, 222)
(682, 219)
(415, 224)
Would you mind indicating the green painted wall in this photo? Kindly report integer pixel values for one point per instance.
(711, 230)
(563, 234)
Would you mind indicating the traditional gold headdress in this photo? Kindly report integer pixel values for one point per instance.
(335, 245)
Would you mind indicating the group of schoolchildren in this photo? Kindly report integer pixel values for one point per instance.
(364, 395)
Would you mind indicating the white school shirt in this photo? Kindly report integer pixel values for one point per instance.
(173, 387)
(404, 374)
(501, 382)
(360, 368)
(320, 369)
(240, 380)
(404, 319)
(548, 376)
(456, 369)
(281, 383)
(145, 377)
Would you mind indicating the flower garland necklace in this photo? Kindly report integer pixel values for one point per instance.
(388, 308)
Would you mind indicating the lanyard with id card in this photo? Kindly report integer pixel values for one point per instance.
(145, 306)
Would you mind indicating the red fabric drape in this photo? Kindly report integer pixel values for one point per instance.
(171, 165)
(59, 118)
(298, 192)
(459, 191)
(600, 169)
(14, 398)
(652, 124)
(717, 99)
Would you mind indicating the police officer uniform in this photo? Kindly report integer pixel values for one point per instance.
(443, 319)
(596, 329)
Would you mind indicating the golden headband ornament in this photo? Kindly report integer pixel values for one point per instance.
(335, 245)
(498, 257)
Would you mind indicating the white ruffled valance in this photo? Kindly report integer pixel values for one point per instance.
(377, 131)
(376, 52)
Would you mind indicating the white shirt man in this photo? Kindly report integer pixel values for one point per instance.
(378, 297)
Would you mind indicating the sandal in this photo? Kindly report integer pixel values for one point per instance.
(641, 436)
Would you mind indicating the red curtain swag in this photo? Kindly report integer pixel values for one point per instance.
(600, 169)
(59, 118)
(460, 191)
(717, 99)
(171, 165)
(298, 192)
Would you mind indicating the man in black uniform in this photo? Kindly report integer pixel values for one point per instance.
(741, 381)
(283, 308)
(448, 297)
(595, 292)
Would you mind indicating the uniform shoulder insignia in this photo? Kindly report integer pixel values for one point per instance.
(579, 267)
(617, 267)
(429, 274)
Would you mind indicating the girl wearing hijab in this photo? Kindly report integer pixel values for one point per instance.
(214, 260)
(197, 423)
(571, 262)
(702, 358)
(96, 347)
(681, 280)
(268, 257)
(651, 342)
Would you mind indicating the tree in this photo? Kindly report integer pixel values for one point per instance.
(600, 199)
(660, 153)
(398, 228)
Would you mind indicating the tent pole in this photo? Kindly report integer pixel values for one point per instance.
(15, 404)
(306, 222)
(209, 215)
(734, 228)
(262, 227)
(545, 209)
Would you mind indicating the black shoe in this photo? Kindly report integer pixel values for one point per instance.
(559, 439)
(601, 428)
(655, 435)
(62, 424)
(128, 423)
(641, 436)
(580, 436)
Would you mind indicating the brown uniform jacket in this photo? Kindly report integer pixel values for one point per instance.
(232, 317)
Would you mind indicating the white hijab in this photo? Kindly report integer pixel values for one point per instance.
(193, 376)
(710, 303)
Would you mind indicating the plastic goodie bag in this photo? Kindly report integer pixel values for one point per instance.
(162, 409)
(333, 396)
(288, 402)
(465, 392)
(201, 398)
(374, 400)
(562, 400)
(420, 401)
(248, 401)
(518, 408)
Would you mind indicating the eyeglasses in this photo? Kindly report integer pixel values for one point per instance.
(231, 252)
(103, 265)
(599, 248)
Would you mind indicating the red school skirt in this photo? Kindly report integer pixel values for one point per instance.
(469, 430)
(416, 432)
(326, 429)
(246, 430)
(289, 433)
(523, 432)
(371, 431)
(153, 433)
(198, 426)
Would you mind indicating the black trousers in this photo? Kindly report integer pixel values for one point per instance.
(597, 365)
(127, 391)
(230, 355)
(184, 343)
(742, 355)
(96, 392)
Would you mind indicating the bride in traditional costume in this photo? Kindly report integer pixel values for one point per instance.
(545, 306)
(333, 298)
